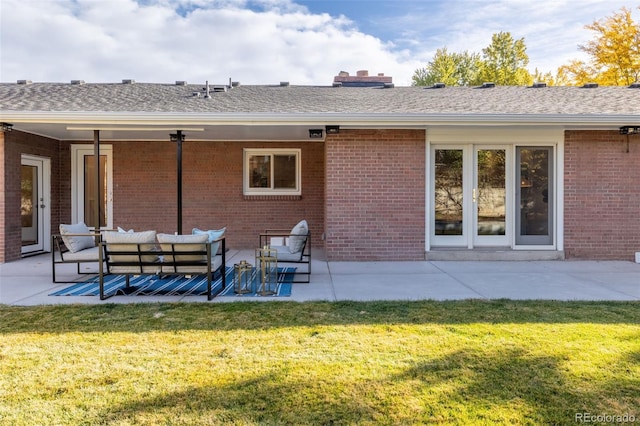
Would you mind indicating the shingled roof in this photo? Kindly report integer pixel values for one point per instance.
(146, 111)
(287, 99)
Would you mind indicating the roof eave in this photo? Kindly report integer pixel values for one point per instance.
(379, 120)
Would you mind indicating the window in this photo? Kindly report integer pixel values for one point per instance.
(272, 172)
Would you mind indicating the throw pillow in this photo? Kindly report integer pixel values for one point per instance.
(296, 243)
(130, 231)
(76, 243)
(213, 234)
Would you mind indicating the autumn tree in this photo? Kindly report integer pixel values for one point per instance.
(546, 77)
(614, 53)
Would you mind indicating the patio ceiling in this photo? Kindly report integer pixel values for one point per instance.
(117, 132)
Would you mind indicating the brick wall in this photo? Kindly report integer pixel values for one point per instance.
(371, 208)
(145, 190)
(12, 146)
(3, 203)
(375, 195)
(602, 195)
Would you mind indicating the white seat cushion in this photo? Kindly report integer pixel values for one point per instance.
(216, 262)
(284, 255)
(87, 254)
(125, 241)
(178, 243)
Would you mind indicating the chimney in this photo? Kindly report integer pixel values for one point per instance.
(362, 79)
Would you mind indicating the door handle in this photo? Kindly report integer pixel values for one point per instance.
(473, 195)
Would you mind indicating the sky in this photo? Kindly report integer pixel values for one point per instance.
(270, 41)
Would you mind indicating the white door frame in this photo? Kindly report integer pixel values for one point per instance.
(470, 237)
(43, 167)
(449, 240)
(495, 136)
(78, 152)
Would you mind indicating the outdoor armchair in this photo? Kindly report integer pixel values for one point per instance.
(293, 247)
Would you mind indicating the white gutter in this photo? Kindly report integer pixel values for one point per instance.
(383, 120)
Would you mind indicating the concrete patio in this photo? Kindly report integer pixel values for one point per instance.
(28, 281)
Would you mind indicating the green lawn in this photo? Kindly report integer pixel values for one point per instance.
(468, 362)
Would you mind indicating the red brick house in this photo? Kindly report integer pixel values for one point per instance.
(379, 172)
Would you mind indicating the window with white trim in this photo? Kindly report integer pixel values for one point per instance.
(272, 172)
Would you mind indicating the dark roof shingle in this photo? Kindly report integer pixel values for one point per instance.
(167, 98)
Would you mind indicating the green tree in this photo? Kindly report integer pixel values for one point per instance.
(453, 69)
(614, 53)
(468, 68)
(505, 60)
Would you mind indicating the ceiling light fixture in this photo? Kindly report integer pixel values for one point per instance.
(629, 130)
(315, 133)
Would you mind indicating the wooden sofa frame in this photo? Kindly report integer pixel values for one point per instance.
(108, 262)
(284, 256)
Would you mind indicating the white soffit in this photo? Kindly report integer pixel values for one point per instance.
(272, 126)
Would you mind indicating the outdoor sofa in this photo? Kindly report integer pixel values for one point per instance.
(141, 253)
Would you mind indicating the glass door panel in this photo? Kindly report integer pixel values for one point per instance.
(91, 203)
(84, 199)
(448, 197)
(35, 190)
(29, 205)
(490, 197)
(534, 196)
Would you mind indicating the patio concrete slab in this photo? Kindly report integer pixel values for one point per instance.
(28, 281)
(405, 286)
(588, 266)
(538, 286)
(491, 267)
(623, 282)
(397, 267)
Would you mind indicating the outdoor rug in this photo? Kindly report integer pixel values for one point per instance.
(171, 285)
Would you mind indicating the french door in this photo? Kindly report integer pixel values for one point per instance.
(492, 196)
(34, 203)
(85, 202)
(469, 196)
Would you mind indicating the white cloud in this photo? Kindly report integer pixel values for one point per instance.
(268, 41)
(109, 40)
